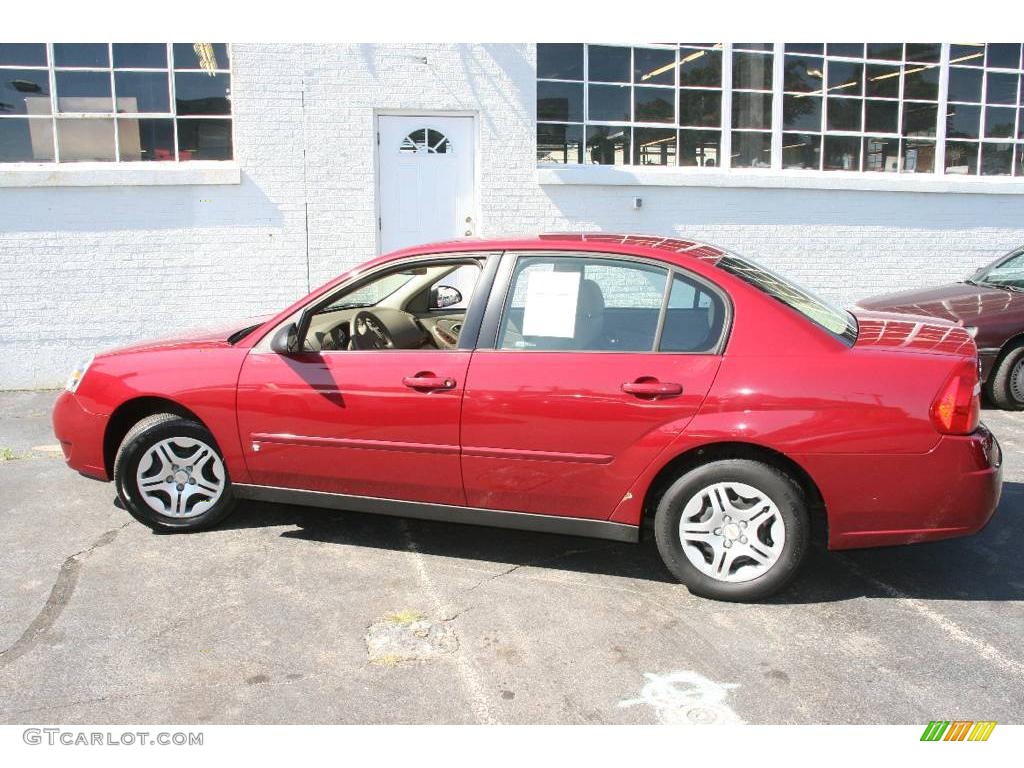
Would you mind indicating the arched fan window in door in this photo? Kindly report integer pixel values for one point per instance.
(426, 140)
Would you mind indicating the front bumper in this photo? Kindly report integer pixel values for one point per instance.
(80, 434)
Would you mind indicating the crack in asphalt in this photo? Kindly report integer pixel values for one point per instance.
(60, 594)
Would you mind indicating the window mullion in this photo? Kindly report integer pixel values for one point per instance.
(53, 101)
(173, 106)
(940, 128)
(725, 161)
(778, 70)
(113, 104)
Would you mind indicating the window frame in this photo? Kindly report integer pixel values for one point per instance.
(503, 286)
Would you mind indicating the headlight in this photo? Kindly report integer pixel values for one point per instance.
(973, 330)
(77, 375)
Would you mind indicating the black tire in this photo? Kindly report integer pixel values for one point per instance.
(134, 448)
(777, 486)
(1000, 381)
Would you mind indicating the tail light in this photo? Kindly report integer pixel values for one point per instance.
(956, 410)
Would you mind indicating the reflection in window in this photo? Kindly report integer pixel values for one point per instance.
(113, 102)
(427, 141)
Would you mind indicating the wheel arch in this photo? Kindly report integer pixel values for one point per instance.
(1004, 349)
(702, 454)
(128, 414)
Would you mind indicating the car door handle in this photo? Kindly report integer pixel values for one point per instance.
(428, 381)
(649, 387)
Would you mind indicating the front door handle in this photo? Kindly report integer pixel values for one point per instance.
(650, 388)
(427, 381)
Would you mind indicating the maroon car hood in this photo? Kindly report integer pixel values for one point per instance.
(959, 302)
(211, 336)
(916, 333)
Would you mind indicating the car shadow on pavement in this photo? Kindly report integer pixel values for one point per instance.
(985, 567)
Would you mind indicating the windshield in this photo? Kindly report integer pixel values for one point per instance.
(1008, 273)
(836, 321)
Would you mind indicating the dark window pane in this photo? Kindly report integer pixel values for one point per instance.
(881, 116)
(197, 93)
(700, 68)
(608, 64)
(145, 139)
(753, 46)
(85, 140)
(609, 102)
(752, 110)
(608, 145)
(964, 84)
(1019, 162)
(142, 92)
(844, 114)
(855, 50)
(83, 92)
(654, 146)
(654, 105)
(1000, 88)
(22, 54)
(813, 48)
(996, 159)
(928, 52)
(751, 149)
(140, 55)
(968, 54)
(557, 101)
(921, 83)
(562, 144)
(999, 122)
(802, 74)
(845, 78)
(881, 155)
(700, 108)
(699, 148)
(26, 141)
(209, 56)
(801, 113)
(961, 157)
(204, 139)
(963, 121)
(801, 151)
(752, 71)
(882, 80)
(654, 67)
(81, 55)
(885, 51)
(1004, 55)
(24, 92)
(919, 119)
(1020, 124)
(842, 153)
(918, 156)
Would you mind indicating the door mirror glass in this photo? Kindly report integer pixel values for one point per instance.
(444, 296)
(285, 340)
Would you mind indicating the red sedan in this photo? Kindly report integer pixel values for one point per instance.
(575, 384)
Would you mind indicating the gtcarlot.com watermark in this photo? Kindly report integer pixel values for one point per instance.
(74, 738)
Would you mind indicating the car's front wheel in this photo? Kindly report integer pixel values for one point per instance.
(732, 529)
(1006, 382)
(170, 475)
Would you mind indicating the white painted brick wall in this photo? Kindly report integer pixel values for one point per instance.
(83, 269)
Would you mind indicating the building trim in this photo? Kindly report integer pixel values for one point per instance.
(109, 174)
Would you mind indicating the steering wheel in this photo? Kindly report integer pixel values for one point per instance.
(368, 332)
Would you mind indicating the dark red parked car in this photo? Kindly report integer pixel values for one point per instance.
(990, 304)
(571, 384)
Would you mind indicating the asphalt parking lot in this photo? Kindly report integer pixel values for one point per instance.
(289, 615)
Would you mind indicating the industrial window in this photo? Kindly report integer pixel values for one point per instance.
(114, 102)
(906, 108)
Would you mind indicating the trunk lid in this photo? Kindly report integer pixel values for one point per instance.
(913, 333)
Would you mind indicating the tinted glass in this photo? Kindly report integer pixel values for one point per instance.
(560, 61)
(882, 80)
(204, 139)
(919, 119)
(560, 101)
(999, 122)
(803, 74)
(145, 139)
(23, 55)
(923, 52)
(802, 113)
(918, 156)
(142, 92)
(81, 55)
(654, 146)
(608, 102)
(845, 78)
(801, 151)
(963, 121)
(752, 110)
(751, 149)
(844, 114)
(752, 71)
(818, 48)
(85, 140)
(654, 66)
(893, 51)
(700, 108)
(201, 94)
(967, 54)
(561, 144)
(700, 68)
(921, 83)
(1001, 88)
(83, 92)
(881, 154)
(699, 149)
(24, 92)
(854, 50)
(1003, 55)
(881, 116)
(140, 55)
(842, 153)
(996, 159)
(204, 56)
(608, 64)
(608, 145)
(964, 84)
(654, 105)
(24, 140)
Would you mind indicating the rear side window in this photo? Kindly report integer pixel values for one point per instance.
(838, 322)
(604, 304)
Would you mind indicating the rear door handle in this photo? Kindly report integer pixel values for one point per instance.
(649, 387)
(426, 380)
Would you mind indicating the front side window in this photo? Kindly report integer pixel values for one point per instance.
(114, 102)
(606, 305)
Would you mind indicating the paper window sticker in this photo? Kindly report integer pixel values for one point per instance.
(551, 299)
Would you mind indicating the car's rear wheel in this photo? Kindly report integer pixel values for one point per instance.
(733, 529)
(171, 476)
(1006, 383)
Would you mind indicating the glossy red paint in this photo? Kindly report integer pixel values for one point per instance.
(556, 433)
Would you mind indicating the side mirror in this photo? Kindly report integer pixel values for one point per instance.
(444, 296)
(285, 341)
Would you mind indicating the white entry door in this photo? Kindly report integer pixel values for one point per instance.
(426, 179)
